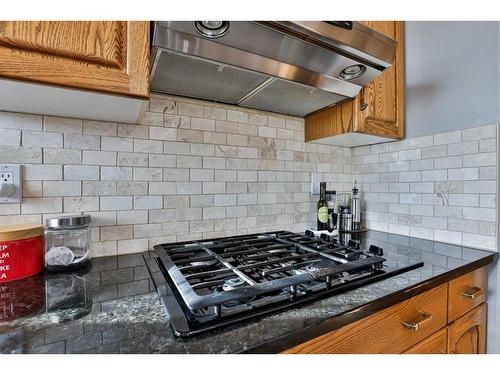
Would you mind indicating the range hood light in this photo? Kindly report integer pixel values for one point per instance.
(353, 71)
(212, 29)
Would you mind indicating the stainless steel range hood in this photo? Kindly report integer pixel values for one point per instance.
(287, 67)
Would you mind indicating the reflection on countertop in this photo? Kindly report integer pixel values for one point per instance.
(111, 307)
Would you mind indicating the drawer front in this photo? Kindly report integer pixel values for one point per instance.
(466, 292)
(392, 330)
(434, 344)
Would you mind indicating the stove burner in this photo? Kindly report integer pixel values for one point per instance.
(319, 265)
(203, 263)
(231, 284)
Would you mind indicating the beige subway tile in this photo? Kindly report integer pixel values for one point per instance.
(55, 156)
(62, 125)
(42, 139)
(80, 204)
(133, 159)
(81, 172)
(99, 128)
(99, 157)
(41, 205)
(117, 144)
(99, 188)
(148, 174)
(131, 188)
(62, 188)
(20, 121)
(82, 142)
(42, 172)
(10, 137)
(116, 203)
(148, 146)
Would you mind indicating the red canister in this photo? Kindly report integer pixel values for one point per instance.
(21, 251)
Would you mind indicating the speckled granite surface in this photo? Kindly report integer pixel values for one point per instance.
(112, 307)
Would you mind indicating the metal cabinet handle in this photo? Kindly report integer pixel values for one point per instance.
(415, 324)
(363, 106)
(473, 292)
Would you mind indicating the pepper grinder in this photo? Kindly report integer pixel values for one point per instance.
(356, 207)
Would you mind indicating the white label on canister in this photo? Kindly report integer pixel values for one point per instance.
(3, 267)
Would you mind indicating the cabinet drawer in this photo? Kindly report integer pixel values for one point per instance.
(466, 292)
(392, 330)
(434, 344)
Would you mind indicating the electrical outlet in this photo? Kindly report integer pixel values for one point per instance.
(10, 183)
(6, 177)
(315, 180)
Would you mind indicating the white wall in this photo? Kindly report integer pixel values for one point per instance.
(453, 82)
(452, 75)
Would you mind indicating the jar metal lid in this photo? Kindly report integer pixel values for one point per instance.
(68, 221)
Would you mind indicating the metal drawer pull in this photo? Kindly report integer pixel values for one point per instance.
(473, 292)
(418, 321)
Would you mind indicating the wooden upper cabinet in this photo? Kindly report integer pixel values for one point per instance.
(377, 111)
(383, 98)
(104, 56)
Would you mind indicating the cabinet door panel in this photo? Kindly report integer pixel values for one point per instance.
(107, 56)
(467, 334)
(434, 344)
(383, 97)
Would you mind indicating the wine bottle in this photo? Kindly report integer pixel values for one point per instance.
(322, 208)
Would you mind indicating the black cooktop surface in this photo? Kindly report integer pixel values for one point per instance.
(210, 283)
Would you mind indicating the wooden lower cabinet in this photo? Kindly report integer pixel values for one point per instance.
(467, 334)
(392, 330)
(434, 344)
(418, 325)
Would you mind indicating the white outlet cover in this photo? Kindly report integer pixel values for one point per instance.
(315, 180)
(11, 173)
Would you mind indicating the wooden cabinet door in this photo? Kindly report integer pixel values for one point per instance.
(434, 344)
(381, 103)
(106, 56)
(467, 334)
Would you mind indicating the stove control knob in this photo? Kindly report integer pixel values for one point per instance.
(353, 244)
(376, 250)
(309, 233)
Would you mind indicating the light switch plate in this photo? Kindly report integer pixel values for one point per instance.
(11, 174)
(315, 180)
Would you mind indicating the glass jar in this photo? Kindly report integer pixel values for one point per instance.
(67, 242)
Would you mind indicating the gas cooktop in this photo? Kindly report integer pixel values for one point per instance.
(215, 282)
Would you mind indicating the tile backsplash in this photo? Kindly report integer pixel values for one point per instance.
(190, 170)
(440, 187)
(194, 169)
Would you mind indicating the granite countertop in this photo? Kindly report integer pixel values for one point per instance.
(111, 307)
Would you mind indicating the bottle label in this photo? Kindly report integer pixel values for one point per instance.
(323, 214)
